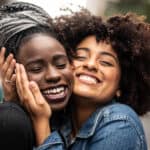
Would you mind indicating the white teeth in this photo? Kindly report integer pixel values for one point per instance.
(88, 79)
(54, 90)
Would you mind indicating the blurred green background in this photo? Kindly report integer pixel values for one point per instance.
(113, 7)
(141, 7)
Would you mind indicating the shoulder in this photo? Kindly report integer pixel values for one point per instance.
(113, 116)
(119, 119)
(115, 126)
(120, 112)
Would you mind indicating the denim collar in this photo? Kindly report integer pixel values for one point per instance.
(90, 125)
(88, 128)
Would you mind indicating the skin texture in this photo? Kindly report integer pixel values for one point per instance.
(46, 63)
(96, 78)
(96, 70)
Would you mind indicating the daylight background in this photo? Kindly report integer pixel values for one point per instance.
(97, 7)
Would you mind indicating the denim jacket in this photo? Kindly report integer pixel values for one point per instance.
(113, 127)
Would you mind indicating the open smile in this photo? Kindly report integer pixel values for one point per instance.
(55, 94)
(88, 79)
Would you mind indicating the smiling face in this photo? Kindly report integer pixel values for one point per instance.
(46, 63)
(96, 71)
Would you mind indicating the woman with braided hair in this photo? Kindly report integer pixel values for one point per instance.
(29, 36)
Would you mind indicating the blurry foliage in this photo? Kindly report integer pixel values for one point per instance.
(4, 2)
(141, 7)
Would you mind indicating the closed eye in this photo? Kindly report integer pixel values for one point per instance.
(35, 69)
(106, 63)
(61, 66)
(80, 58)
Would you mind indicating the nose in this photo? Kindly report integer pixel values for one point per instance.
(52, 75)
(90, 64)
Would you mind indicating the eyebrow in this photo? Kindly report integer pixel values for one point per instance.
(30, 62)
(61, 56)
(101, 53)
(40, 60)
(109, 54)
(82, 48)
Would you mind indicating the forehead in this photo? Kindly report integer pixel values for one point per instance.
(38, 44)
(91, 44)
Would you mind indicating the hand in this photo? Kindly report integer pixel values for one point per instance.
(31, 97)
(8, 76)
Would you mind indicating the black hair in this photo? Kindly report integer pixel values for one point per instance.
(14, 43)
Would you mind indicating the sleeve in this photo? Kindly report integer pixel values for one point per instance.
(117, 135)
(53, 142)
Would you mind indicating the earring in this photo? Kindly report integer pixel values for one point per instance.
(118, 93)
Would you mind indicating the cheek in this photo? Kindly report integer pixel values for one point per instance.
(113, 78)
(76, 64)
(35, 77)
(111, 74)
(68, 75)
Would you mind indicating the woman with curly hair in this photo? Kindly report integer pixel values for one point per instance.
(111, 78)
(129, 37)
(111, 82)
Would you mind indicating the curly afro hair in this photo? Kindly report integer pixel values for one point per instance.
(129, 36)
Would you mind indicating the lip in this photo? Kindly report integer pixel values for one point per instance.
(90, 75)
(52, 86)
(56, 97)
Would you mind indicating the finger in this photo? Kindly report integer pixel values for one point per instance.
(6, 65)
(10, 69)
(23, 85)
(18, 80)
(20, 90)
(36, 93)
(2, 56)
(13, 78)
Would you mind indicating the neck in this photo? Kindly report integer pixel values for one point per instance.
(82, 109)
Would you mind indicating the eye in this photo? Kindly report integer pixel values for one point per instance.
(80, 55)
(106, 63)
(61, 62)
(35, 69)
(61, 66)
(80, 58)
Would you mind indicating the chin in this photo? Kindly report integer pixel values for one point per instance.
(84, 92)
(58, 107)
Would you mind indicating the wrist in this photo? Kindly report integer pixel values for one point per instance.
(42, 130)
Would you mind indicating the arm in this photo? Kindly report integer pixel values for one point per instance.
(34, 102)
